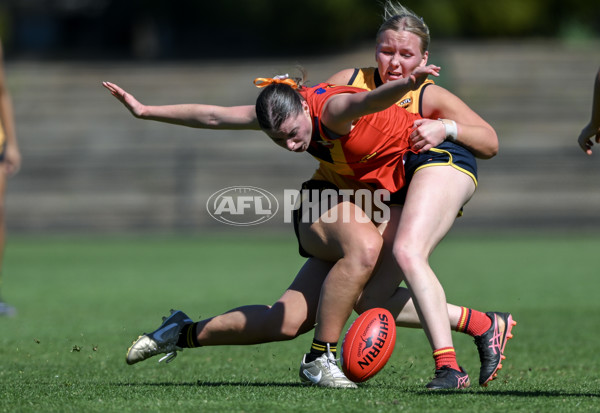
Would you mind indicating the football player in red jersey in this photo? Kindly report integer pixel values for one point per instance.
(401, 46)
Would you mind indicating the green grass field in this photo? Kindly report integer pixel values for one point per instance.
(82, 301)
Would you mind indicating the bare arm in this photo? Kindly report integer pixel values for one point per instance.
(473, 132)
(12, 155)
(342, 110)
(593, 128)
(192, 115)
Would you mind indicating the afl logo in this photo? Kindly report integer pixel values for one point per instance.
(242, 205)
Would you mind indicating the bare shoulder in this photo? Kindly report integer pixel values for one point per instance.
(434, 91)
(437, 102)
(342, 77)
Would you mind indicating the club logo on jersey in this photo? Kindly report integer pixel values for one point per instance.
(242, 205)
(404, 103)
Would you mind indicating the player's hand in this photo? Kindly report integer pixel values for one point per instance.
(131, 103)
(12, 160)
(427, 134)
(420, 74)
(585, 138)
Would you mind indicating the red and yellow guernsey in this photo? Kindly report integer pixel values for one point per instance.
(372, 152)
(368, 78)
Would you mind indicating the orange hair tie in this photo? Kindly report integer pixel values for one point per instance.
(266, 81)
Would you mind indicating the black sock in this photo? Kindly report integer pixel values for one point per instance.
(187, 337)
(318, 348)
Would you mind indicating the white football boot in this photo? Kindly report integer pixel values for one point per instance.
(324, 372)
(162, 340)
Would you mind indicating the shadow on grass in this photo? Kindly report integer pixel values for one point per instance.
(212, 384)
(512, 393)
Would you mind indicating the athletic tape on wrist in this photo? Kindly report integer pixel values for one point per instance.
(451, 129)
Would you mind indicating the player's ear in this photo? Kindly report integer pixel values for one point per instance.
(305, 107)
(425, 59)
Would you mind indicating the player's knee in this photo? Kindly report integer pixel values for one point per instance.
(281, 324)
(293, 327)
(408, 257)
(357, 268)
(290, 332)
(365, 253)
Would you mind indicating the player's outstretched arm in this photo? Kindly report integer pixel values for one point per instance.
(341, 110)
(192, 115)
(593, 128)
(472, 131)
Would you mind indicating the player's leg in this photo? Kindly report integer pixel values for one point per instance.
(5, 309)
(353, 243)
(2, 222)
(383, 288)
(491, 331)
(382, 291)
(354, 247)
(253, 324)
(293, 314)
(435, 196)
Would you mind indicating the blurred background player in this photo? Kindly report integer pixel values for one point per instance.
(593, 128)
(10, 162)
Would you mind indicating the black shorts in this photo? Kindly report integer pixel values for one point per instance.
(308, 185)
(445, 154)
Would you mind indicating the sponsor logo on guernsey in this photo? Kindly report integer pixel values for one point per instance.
(373, 344)
(242, 205)
(405, 102)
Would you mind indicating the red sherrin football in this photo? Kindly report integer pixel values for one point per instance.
(368, 344)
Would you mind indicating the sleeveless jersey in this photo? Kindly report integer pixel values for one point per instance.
(372, 152)
(369, 79)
